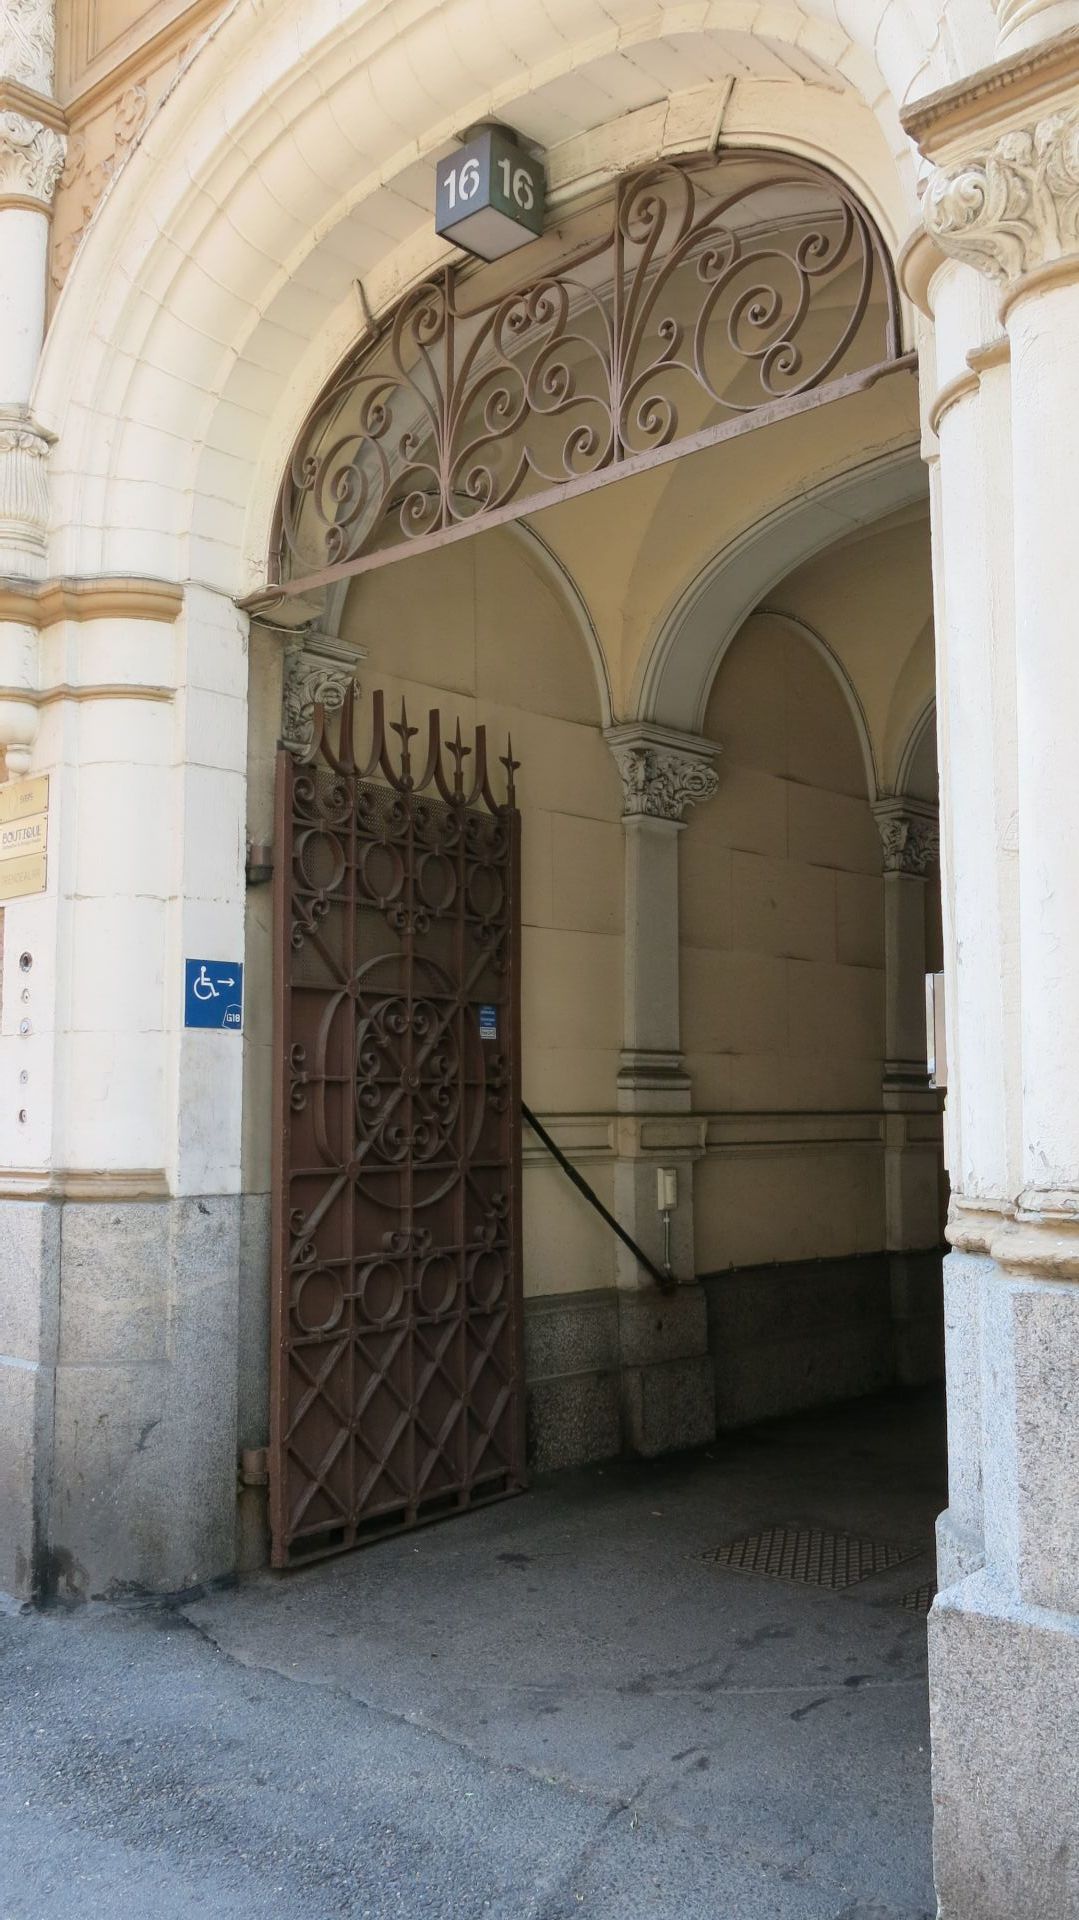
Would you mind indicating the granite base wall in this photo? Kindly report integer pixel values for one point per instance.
(1004, 1681)
(806, 1334)
(118, 1396)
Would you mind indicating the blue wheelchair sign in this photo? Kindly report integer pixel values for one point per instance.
(214, 994)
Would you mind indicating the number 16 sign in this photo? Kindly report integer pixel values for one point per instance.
(489, 194)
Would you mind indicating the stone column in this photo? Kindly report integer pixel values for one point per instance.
(668, 1390)
(32, 149)
(910, 840)
(1025, 23)
(1005, 1640)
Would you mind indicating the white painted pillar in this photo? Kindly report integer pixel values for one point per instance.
(32, 149)
(127, 1122)
(1003, 1649)
(1024, 23)
(1044, 328)
(969, 410)
(967, 440)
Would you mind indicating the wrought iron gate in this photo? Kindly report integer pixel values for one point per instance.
(397, 1390)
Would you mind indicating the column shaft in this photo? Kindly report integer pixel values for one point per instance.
(1045, 411)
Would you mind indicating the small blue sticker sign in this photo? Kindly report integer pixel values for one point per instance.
(488, 1023)
(214, 994)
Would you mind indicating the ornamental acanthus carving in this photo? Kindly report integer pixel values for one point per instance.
(663, 771)
(27, 43)
(31, 157)
(1014, 207)
(318, 670)
(910, 836)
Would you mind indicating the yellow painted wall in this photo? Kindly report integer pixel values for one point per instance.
(478, 631)
(781, 897)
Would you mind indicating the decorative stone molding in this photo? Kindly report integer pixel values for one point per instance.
(910, 835)
(83, 1184)
(16, 98)
(318, 670)
(45, 603)
(24, 495)
(953, 391)
(31, 159)
(663, 771)
(918, 260)
(960, 120)
(28, 43)
(87, 184)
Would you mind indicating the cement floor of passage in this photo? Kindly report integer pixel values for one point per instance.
(549, 1708)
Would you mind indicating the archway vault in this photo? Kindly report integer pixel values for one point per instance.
(704, 297)
(676, 671)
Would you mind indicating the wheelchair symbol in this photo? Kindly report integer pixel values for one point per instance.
(202, 986)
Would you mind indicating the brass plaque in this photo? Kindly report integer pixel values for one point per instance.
(22, 875)
(24, 836)
(18, 798)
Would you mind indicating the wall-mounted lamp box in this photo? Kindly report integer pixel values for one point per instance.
(489, 195)
(666, 1189)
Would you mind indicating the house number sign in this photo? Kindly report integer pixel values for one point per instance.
(489, 195)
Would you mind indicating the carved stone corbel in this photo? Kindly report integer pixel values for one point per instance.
(318, 669)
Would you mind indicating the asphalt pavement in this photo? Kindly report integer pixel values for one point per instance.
(553, 1707)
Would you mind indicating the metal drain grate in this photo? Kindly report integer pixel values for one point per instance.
(810, 1555)
(921, 1598)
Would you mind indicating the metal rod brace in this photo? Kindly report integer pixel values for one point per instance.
(666, 1282)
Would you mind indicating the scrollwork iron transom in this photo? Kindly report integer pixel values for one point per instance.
(714, 289)
(397, 1376)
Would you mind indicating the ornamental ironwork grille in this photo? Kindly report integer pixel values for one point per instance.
(712, 295)
(397, 1389)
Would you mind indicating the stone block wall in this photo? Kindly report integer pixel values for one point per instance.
(811, 1332)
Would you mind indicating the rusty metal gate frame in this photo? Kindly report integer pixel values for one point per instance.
(397, 1384)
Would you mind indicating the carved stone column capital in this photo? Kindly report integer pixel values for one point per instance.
(31, 158)
(1014, 206)
(910, 835)
(318, 670)
(663, 771)
(32, 141)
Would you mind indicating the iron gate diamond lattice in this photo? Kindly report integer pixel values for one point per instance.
(812, 1556)
(397, 1375)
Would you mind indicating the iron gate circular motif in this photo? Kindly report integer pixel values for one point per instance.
(380, 1289)
(317, 1300)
